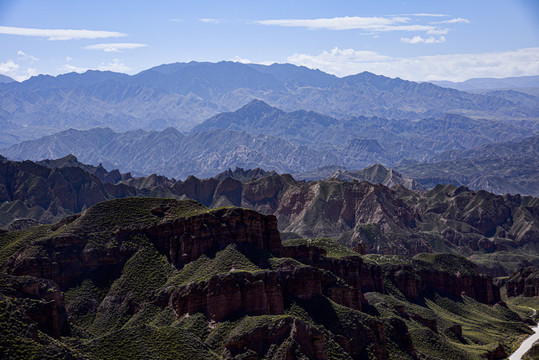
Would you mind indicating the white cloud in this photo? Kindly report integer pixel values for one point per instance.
(24, 56)
(453, 21)
(420, 40)
(72, 68)
(116, 65)
(69, 58)
(60, 34)
(241, 60)
(31, 72)
(116, 47)
(211, 21)
(8, 68)
(11, 69)
(455, 67)
(372, 24)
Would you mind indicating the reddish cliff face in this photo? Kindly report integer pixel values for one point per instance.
(67, 257)
(185, 239)
(225, 294)
(524, 282)
(413, 283)
(353, 269)
(260, 293)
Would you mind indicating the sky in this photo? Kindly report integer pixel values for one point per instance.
(415, 40)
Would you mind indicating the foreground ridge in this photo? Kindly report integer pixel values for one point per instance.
(133, 275)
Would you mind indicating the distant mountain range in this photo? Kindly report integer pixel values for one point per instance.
(5, 79)
(506, 167)
(182, 95)
(492, 83)
(289, 119)
(262, 136)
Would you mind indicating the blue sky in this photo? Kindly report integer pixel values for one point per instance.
(415, 40)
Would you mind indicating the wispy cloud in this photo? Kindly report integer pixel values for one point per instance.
(114, 47)
(24, 56)
(453, 21)
(427, 15)
(211, 21)
(420, 40)
(454, 67)
(371, 24)
(60, 34)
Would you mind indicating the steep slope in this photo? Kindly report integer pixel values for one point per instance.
(378, 174)
(142, 277)
(31, 190)
(5, 79)
(499, 232)
(112, 177)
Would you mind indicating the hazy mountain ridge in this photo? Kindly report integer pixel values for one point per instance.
(492, 83)
(172, 153)
(184, 94)
(506, 167)
(259, 135)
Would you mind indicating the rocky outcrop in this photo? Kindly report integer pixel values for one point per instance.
(185, 239)
(416, 281)
(524, 281)
(260, 293)
(286, 338)
(233, 293)
(352, 269)
(67, 257)
(47, 307)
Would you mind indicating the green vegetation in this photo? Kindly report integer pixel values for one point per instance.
(124, 313)
(332, 247)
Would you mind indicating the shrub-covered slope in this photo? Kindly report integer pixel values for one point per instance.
(160, 278)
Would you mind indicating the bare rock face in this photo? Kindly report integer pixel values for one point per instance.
(187, 238)
(226, 294)
(353, 269)
(67, 257)
(416, 279)
(524, 282)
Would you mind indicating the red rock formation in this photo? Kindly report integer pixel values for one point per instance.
(299, 337)
(186, 239)
(352, 269)
(413, 283)
(524, 281)
(225, 294)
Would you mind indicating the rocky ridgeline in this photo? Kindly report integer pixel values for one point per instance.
(68, 256)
